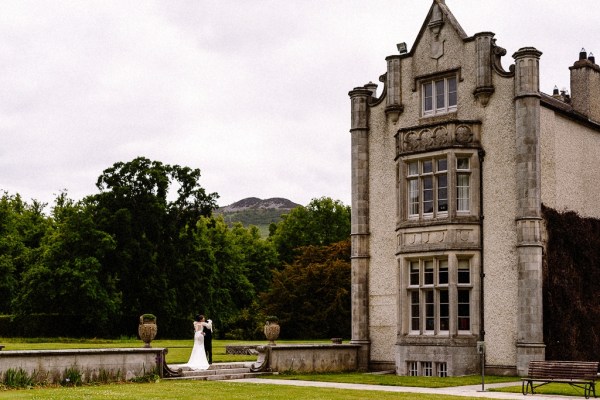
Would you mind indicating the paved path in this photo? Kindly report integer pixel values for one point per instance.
(464, 391)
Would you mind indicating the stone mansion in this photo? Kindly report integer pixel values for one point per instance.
(453, 138)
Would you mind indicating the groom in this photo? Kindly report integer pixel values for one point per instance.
(208, 331)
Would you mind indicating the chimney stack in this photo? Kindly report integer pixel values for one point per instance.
(585, 86)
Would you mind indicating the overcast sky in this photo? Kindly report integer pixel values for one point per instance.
(252, 92)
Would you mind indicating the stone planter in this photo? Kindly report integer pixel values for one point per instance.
(272, 332)
(147, 330)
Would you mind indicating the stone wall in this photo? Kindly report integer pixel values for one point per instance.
(313, 358)
(125, 364)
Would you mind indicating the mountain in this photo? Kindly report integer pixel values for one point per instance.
(258, 212)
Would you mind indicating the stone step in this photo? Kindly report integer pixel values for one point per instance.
(210, 372)
(218, 377)
(219, 371)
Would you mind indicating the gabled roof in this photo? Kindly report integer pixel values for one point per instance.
(439, 9)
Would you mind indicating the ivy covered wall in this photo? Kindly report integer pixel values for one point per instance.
(571, 287)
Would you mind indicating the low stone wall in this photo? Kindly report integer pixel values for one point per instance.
(125, 363)
(312, 357)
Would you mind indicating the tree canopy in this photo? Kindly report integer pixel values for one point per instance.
(322, 222)
(148, 242)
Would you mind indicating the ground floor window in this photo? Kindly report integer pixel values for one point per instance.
(413, 369)
(442, 369)
(427, 368)
(439, 294)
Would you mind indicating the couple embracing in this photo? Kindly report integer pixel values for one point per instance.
(201, 356)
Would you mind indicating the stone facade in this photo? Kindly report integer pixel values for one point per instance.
(450, 166)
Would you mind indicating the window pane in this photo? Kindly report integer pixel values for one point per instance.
(414, 311)
(444, 310)
(427, 167)
(452, 92)
(427, 97)
(462, 163)
(414, 273)
(442, 180)
(429, 310)
(440, 94)
(462, 192)
(428, 276)
(427, 194)
(464, 310)
(443, 273)
(413, 168)
(464, 272)
(413, 197)
(442, 164)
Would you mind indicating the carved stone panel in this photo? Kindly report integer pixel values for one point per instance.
(445, 237)
(438, 136)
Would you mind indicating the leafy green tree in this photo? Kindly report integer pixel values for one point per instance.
(22, 227)
(216, 282)
(322, 222)
(259, 256)
(135, 207)
(311, 296)
(67, 278)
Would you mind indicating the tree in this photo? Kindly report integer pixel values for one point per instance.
(214, 273)
(22, 227)
(67, 278)
(311, 296)
(322, 222)
(134, 207)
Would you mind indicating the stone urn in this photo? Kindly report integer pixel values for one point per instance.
(272, 330)
(147, 328)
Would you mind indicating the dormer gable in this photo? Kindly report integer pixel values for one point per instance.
(438, 16)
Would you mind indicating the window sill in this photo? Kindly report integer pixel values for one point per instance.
(434, 118)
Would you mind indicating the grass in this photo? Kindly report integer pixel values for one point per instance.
(184, 390)
(551, 388)
(179, 352)
(395, 380)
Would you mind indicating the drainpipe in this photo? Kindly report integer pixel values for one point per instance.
(481, 154)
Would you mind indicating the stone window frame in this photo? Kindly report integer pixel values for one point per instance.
(433, 82)
(452, 156)
(407, 288)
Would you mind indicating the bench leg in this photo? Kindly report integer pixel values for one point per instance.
(526, 386)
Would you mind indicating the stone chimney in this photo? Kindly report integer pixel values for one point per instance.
(585, 86)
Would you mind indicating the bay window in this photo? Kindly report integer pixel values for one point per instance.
(428, 186)
(430, 286)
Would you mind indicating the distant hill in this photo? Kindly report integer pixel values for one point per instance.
(254, 211)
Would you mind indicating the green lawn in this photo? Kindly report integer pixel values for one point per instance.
(193, 390)
(551, 388)
(395, 380)
(179, 352)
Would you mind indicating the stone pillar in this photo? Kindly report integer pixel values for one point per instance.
(483, 73)
(393, 102)
(360, 223)
(530, 335)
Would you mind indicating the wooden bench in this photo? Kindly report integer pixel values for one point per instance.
(581, 374)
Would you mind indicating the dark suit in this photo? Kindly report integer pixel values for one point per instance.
(208, 343)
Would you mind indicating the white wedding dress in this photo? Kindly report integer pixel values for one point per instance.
(198, 358)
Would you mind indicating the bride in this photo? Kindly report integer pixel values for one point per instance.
(198, 357)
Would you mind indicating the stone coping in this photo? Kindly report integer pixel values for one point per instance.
(36, 353)
(315, 345)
